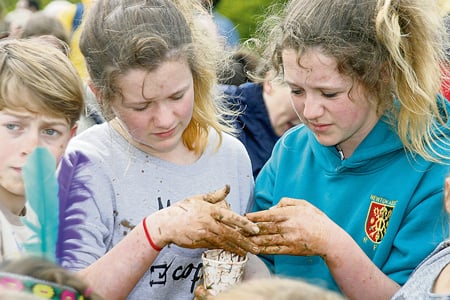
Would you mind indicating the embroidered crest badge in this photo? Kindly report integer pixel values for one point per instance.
(377, 221)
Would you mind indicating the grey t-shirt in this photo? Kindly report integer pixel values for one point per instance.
(127, 184)
(420, 284)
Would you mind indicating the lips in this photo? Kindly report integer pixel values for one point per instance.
(18, 170)
(166, 134)
(319, 127)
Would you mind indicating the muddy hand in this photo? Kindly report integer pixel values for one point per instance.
(201, 224)
(218, 197)
(201, 293)
(292, 227)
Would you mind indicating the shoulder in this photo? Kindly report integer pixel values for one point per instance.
(66, 15)
(294, 136)
(431, 272)
(231, 148)
(441, 283)
(95, 145)
(242, 92)
(93, 139)
(230, 142)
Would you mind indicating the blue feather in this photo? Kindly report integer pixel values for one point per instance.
(41, 192)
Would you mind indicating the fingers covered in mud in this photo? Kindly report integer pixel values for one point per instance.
(217, 195)
(205, 222)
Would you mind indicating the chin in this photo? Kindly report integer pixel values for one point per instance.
(327, 142)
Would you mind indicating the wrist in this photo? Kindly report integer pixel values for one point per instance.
(337, 247)
(154, 243)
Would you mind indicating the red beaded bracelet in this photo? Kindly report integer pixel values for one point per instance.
(149, 238)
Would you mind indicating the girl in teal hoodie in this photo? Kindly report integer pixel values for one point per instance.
(352, 199)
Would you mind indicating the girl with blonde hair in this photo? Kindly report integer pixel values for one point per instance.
(153, 70)
(355, 193)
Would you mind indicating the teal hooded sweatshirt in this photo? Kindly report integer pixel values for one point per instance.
(389, 202)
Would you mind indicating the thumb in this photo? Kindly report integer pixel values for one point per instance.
(217, 195)
(287, 202)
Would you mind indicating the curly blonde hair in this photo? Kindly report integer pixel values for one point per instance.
(393, 48)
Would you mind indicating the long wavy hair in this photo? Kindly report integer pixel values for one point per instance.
(393, 48)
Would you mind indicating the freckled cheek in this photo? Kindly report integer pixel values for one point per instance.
(350, 118)
(137, 123)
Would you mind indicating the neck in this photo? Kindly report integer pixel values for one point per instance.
(180, 156)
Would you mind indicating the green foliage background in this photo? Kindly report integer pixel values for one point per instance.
(244, 13)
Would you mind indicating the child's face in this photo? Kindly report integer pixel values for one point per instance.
(277, 97)
(335, 107)
(21, 131)
(157, 107)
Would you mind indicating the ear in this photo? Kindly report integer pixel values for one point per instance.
(73, 131)
(267, 86)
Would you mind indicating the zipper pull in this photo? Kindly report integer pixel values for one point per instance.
(341, 153)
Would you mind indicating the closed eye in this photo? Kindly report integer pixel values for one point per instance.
(329, 95)
(177, 96)
(297, 92)
(140, 108)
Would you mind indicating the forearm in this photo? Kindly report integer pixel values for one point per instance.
(356, 275)
(116, 273)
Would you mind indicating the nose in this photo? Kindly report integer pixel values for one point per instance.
(31, 140)
(162, 115)
(312, 107)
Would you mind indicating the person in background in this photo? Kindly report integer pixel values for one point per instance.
(431, 279)
(53, 41)
(55, 7)
(352, 199)
(271, 288)
(41, 24)
(264, 106)
(226, 29)
(32, 5)
(72, 18)
(41, 99)
(16, 20)
(44, 279)
(4, 30)
(242, 65)
(154, 72)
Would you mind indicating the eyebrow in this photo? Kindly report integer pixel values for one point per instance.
(315, 87)
(46, 119)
